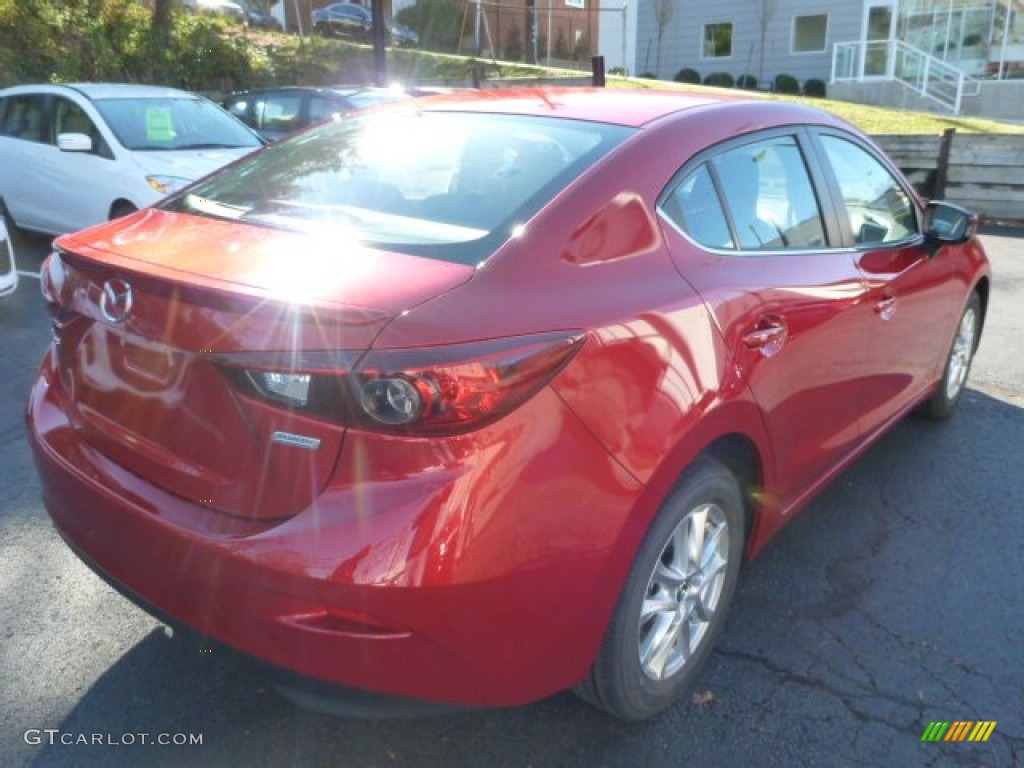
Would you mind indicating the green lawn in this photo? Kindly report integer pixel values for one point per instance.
(875, 120)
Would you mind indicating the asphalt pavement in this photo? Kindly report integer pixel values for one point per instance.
(892, 602)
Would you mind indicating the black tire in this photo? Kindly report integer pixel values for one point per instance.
(630, 678)
(951, 386)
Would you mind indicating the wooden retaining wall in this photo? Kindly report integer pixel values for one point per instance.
(984, 172)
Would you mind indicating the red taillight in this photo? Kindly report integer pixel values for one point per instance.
(423, 391)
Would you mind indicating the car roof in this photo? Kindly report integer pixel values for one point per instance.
(324, 90)
(627, 107)
(93, 91)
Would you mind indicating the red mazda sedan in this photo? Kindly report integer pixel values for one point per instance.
(481, 398)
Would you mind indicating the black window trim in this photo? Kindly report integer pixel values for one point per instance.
(823, 185)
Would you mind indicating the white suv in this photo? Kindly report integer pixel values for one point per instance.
(76, 155)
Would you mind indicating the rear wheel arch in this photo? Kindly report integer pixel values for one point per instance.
(739, 454)
(734, 435)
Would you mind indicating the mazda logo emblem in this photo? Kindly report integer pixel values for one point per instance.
(116, 300)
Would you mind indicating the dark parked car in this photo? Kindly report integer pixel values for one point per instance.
(261, 19)
(355, 22)
(488, 399)
(276, 112)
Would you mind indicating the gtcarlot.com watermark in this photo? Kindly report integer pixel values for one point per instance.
(56, 737)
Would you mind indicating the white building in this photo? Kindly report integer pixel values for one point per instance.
(952, 55)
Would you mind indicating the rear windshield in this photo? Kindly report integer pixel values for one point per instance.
(173, 124)
(447, 185)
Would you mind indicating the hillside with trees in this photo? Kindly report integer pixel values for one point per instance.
(160, 42)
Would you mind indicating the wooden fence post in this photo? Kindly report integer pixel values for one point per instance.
(942, 169)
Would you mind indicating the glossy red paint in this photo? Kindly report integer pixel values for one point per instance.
(475, 568)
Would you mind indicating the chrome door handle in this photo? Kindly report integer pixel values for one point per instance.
(768, 337)
(886, 308)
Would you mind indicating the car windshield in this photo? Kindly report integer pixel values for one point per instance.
(173, 124)
(447, 185)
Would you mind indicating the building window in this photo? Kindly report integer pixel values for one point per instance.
(718, 40)
(809, 33)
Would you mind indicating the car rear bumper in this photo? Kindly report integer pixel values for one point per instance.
(484, 580)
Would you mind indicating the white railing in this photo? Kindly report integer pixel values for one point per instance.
(929, 76)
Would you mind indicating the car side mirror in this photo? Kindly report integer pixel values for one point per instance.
(74, 142)
(948, 224)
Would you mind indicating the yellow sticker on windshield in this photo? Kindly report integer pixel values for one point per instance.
(159, 125)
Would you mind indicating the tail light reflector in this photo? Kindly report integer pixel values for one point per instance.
(422, 391)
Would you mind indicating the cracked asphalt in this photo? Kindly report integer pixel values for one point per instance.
(894, 600)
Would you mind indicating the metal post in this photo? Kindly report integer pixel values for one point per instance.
(531, 32)
(625, 69)
(380, 41)
(547, 57)
(476, 30)
(1006, 37)
(942, 168)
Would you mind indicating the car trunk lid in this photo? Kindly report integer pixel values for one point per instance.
(150, 308)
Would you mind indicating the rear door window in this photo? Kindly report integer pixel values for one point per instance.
(757, 196)
(25, 118)
(769, 194)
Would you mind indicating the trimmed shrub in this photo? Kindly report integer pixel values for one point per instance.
(581, 51)
(687, 75)
(720, 80)
(648, 76)
(786, 84)
(814, 87)
(561, 48)
(437, 22)
(746, 82)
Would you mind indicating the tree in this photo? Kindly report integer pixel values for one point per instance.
(664, 10)
(162, 19)
(766, 11)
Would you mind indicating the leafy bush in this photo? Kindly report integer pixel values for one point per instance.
(786, 84)
(437, 22)
(648, 76)
(814, 87)
(513, 50)
(581, 51)
(687, 75)
(720, 80)
(561, 47)
(98, 40)
(746, 82)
